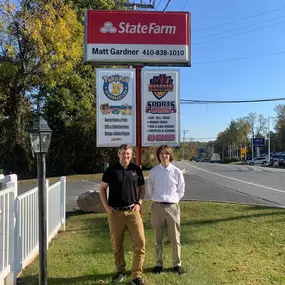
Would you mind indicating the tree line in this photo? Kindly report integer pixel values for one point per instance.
(43, 74)
(238, 135)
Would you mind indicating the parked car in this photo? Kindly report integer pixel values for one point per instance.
(281, 160)
(258, 160)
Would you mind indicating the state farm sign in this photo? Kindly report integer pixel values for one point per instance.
(133, 37)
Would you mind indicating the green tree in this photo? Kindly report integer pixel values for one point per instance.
(279, 140)
(40, 43)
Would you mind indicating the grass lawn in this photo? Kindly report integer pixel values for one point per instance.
(95, 176)
(221, 244)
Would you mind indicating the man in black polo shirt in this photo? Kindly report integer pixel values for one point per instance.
(126, 192)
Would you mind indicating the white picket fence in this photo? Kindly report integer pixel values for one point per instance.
(19, 224)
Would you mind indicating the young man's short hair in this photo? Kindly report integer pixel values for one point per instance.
(167, 149)
(124, 147)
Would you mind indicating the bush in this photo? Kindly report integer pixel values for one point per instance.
(226, 160)
(232, 159)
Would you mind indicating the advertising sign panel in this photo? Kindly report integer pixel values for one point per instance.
(137, 37)
(115, 102)
(258, 142)
(160, 107)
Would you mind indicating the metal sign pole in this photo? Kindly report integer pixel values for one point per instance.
(138, 116)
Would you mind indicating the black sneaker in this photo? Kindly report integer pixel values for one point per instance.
(118, 277)
(179, 270)
(138, 281)
(157, 270)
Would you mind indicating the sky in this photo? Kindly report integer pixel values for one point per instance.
(256, 77)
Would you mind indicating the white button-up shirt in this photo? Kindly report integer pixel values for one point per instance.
(166, 184)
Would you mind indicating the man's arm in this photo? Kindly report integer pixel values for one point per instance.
(181, 185)
(140, 193)
(103, 196)
(150, 185)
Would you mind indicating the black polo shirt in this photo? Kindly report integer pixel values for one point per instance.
(123, 184)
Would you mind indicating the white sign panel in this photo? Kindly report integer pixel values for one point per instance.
(160, 107)
(116, 107)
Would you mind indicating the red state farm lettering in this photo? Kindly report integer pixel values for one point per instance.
(152, 28)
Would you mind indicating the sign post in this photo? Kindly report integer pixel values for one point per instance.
(139, 115)
(141, 38)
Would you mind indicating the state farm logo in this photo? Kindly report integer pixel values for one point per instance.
(127, 28)
(108, 28)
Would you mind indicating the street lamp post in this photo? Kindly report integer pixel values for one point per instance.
(40, 135)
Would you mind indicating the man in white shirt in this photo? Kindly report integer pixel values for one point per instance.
(166, 187)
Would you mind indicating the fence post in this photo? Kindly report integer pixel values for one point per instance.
(16, 259)
(63, 200)
(15, 238)
(2, 181)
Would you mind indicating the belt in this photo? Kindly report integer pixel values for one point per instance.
(165, 203)
(125, 208)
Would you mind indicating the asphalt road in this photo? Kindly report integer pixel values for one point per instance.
(209, 182)
(234, 183)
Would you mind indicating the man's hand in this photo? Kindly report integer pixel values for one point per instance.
(137, 208)
(110, 210)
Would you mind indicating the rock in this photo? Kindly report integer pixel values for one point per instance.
(90, 202)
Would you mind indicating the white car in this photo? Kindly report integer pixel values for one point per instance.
(258, 160)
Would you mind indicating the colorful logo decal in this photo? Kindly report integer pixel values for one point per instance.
(125, 110)
(160, 85)
(116, 87)
(160, 107)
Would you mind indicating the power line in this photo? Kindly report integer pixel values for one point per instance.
(239, 33)
(247, 26)
(238, 58)
(190, 139)
(184, 5)
(211, 27)
(166, 5)
(186, 101)
(158, 5)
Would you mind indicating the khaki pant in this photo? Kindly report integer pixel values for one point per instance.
(118, 223)
(169, 213)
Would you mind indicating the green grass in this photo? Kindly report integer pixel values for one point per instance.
(221, 244)
(237, 163)
(95, 176)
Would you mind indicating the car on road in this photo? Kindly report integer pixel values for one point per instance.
(258, 160)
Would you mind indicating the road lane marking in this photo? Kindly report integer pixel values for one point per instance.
(238, 180)
(90, 182)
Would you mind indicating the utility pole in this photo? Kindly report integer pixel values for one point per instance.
(252, 149)
(269, 138)
(269, 142)
(183, 136)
